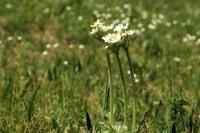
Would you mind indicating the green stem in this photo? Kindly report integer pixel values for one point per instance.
(111, 115)
(130, 67)
(134, 124)
(134, 86)
(124, 87)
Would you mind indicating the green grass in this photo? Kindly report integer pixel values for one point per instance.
(38, 93)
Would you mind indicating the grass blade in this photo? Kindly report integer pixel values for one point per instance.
(89, 124)
(31, 104)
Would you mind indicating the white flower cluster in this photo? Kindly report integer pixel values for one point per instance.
(114, 35)
(191, 39)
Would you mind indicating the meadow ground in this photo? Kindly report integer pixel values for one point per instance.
(53, 74)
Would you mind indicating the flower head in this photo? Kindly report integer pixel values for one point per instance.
(128, 37)
(112, 38)
(120, 27)
(114, 35)
(112, 41)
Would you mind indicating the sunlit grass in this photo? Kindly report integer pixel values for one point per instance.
(53, 73)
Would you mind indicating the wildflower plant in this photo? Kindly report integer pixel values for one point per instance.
(114, 37)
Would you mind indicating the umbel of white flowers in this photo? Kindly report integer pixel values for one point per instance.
(113, 36)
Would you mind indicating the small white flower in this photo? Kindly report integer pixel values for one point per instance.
(48, 46)
(185, 39)
(9, 6)
(45, 53)
(135, 75)
(123, 15)
(81, 46)
(65, 63)
(112, 38)
(10, 38)
(126, 20)
(175, 22)
(138, 32)
(68, 8)
(127, 6)
(55, 45)
(152, 26)
(161, 16)
(189, 67)
(96, 13)
(198, 42)
(130, 32)
(117, 8)
(137, 80)
(19, 38)
(140, 25)
(144, 14)
(156, 102)
(168, 24)
(177, 59)
(198, 32)
(71, 46)
(183, 24)
(46, 11)
(191, 37)
(80, 18)
(108, 15)
(156, 21)
(142, 29)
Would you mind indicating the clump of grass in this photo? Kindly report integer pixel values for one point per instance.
(31, 104)
(176, 116)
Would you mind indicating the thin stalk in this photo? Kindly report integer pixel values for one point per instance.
(134, 123)
(124, 87)
(130, 67)
(111, 104)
